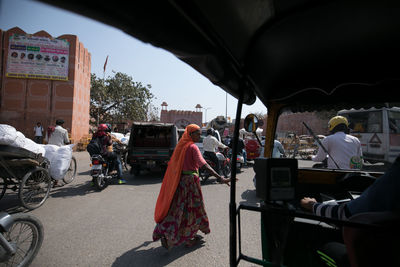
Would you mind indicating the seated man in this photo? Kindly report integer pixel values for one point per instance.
(379, 203)
(210, 146)
(382, 195)
(344, 149)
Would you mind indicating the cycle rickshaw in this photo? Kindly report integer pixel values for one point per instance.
(28, 173)
(295, 56)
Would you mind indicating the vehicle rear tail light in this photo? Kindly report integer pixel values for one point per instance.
(95, 162)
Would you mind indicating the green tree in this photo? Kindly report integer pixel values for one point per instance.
(118, 98)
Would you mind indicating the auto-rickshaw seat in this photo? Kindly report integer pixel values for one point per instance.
(377, 246)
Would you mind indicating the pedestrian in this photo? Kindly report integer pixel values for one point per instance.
(180, 211)
(38, 131)
(344, 149)
(278, 151)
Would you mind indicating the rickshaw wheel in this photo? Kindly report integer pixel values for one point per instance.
(34, 188)
(71, 173)
(3, 187)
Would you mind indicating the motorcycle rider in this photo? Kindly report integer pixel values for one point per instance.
(104, 133)
(210, 146)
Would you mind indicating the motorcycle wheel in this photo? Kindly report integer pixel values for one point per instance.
(100, 182)
(239, 168)
(3, 187)
(203, 174)
(26, 235)
(227, 170)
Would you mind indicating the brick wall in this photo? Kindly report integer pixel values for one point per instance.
(294, 123)
(27, 101)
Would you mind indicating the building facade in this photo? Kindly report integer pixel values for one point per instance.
(181, 118)
(26, 101)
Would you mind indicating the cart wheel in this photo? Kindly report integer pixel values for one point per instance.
(3, 187)
(71, 173)
(34, 188)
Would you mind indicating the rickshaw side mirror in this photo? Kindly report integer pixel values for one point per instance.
(251, 123)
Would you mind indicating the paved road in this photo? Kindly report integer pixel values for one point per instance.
(114, 227)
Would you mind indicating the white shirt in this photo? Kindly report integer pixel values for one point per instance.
(345, 150)
(59, 137)
(278, 150)
(210, 144)
(38, 130)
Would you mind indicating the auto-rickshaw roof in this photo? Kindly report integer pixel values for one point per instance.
(298, 52)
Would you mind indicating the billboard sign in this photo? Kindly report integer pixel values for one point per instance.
(33, 57)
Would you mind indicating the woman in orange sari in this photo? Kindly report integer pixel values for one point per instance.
(180, 211)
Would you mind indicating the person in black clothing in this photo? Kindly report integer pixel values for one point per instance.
(241, 150)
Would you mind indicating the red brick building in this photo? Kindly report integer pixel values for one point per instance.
(25, 101)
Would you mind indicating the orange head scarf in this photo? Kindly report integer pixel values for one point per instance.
(173, 174)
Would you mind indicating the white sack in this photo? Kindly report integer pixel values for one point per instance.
(61, 161)
(34, 147)
(125, 140)
(7, 134)
(50, 151)
(119, 136)
(19, 140)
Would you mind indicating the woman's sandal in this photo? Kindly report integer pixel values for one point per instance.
(164, 243)
(194, 241)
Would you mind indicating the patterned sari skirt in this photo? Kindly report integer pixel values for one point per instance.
(186, 215)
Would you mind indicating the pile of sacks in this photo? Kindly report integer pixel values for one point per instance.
(123, 138)
(59, 157)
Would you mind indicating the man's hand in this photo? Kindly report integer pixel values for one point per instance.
(307, 203)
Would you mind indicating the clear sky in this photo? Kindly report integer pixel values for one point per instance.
(172, 80)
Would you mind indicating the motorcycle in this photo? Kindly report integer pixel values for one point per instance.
(224, 164)
(100, 172)
(21, 236)
(239, 160)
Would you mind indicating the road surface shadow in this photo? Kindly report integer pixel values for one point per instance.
(10, 203)
(158, 256)
(249, 198)
(84, 173)
(145, 177)
(73, 190)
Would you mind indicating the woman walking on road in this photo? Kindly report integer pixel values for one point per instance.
(180, 211)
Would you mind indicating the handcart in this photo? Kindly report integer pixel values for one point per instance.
(28, 173)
